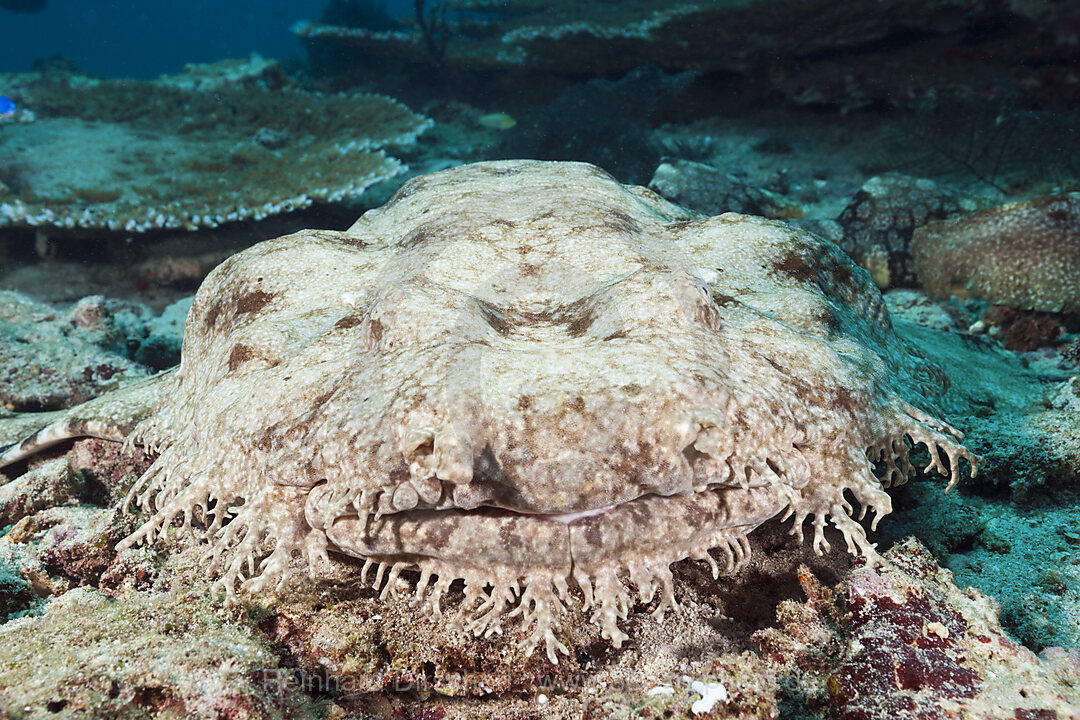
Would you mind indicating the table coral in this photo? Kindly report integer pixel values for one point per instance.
(1024, 255)
(567, 36)
(254, 71)
(133, 156)
(522, 375)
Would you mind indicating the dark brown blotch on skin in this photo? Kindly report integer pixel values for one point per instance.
(437, 535)
(723, 300)
(621, 222)
(239, 355)
(532, 319)
(329, 237)
(508, 538)
(351, 241)
(843, 274)
(580, 317)
(490, 482)
(639, 466)
(420, 236)
(211, 317)
(349, 321)
(265, 442)
(592, 533)
(845, 400)
(694, 516)
(495, 318)
(796, 266)
(242, 303)
(376, 329)
(253, 302)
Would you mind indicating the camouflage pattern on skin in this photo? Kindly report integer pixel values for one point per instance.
(526, 375)
(1023, 255)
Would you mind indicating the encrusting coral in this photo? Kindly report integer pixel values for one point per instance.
(1024, 255)
(878, 223)
(133, 156)
(522, 375)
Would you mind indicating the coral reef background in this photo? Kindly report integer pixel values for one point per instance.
(936, 142)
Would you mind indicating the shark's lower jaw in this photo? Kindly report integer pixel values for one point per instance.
(506, 557)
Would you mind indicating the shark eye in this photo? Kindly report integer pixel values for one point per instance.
(703, 288)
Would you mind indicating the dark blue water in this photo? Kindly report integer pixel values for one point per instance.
(128, 38)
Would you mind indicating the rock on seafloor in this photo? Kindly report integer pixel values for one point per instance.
(151, 655)
(903, 641)
(711, 191)
(51, 359)
(54, 358)
(878, 224)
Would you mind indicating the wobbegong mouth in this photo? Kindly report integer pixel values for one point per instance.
(651, 528)
(569, 518)
(507, 558)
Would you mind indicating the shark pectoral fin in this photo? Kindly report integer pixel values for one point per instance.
(111, 416)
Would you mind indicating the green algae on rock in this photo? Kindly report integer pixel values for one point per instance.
(522, 374)
(149, 655)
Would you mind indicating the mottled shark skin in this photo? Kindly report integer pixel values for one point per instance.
(528, 376)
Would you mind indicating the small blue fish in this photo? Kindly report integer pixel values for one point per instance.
(7, 106)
